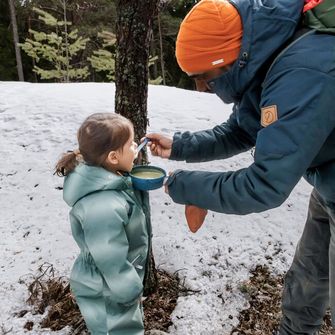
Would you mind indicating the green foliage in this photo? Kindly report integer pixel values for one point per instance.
(156, 81)
(90, 17)
(153, 60)
(171, 17)
(48, 19)
(103, 60)
(109, 39)
(57, 48)
(159, 79)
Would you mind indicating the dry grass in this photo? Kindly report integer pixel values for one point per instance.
(48, 291)
(264, 294)
(159, 306)
(52, 293)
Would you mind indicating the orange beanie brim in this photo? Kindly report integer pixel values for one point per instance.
(209, 36)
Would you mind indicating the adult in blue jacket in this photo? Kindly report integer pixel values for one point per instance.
(282, 83)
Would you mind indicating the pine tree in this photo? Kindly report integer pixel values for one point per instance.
(57, 48)
(103, 60)
(159, 79)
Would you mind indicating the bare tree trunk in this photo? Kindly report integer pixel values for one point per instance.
(16, 40)
(154, 69)
(33, 59)
(67, 78)
(161, 48)
(133, 35)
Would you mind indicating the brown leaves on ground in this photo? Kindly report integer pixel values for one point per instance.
(264, 293)
(48, 291)
(261, 318)
(159, 306)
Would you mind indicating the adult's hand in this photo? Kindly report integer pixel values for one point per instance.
(160, 145)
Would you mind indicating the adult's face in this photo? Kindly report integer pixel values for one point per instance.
(202, 79)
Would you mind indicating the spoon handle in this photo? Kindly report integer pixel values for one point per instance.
(143, 144)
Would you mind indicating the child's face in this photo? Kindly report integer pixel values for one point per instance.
(128, 154)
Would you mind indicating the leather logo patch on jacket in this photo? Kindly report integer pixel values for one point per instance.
(268, 115)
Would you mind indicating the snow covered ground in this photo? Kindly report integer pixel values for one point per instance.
(39, 121)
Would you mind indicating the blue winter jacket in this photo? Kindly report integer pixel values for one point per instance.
(297, 82)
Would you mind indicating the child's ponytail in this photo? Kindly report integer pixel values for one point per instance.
(67, 163)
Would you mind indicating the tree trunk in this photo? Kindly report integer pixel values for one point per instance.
(66, 36)
(161, 48)
(33, 59)
(16, 40)
(133, 35)
(154, 69)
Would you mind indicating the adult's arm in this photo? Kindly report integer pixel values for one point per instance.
(284, 149)
(223, 141)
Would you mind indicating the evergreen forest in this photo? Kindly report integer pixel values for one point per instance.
(74, 40)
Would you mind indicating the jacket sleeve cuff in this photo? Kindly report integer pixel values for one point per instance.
(173, 188)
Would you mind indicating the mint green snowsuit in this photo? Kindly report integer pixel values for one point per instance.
(110, 228)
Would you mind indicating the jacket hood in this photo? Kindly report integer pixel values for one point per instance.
(267, 25)
(87, 179)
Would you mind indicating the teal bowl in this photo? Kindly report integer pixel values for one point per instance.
(147, 177)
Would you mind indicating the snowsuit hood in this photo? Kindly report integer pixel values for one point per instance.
(86, 179)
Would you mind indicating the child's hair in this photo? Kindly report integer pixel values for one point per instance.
(99, 134)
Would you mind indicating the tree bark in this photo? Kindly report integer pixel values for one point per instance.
(154, 69)
(66, 36)
(16, 40)
(133, 35)
(161, 48)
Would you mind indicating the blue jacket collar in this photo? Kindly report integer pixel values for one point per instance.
(267, 25)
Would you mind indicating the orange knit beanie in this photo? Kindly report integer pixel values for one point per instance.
(209, 36)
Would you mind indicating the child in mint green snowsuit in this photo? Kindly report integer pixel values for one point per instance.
(108, 224)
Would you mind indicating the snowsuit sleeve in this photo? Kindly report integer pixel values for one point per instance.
(106, 239)
(222, 141)
(284, 149)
